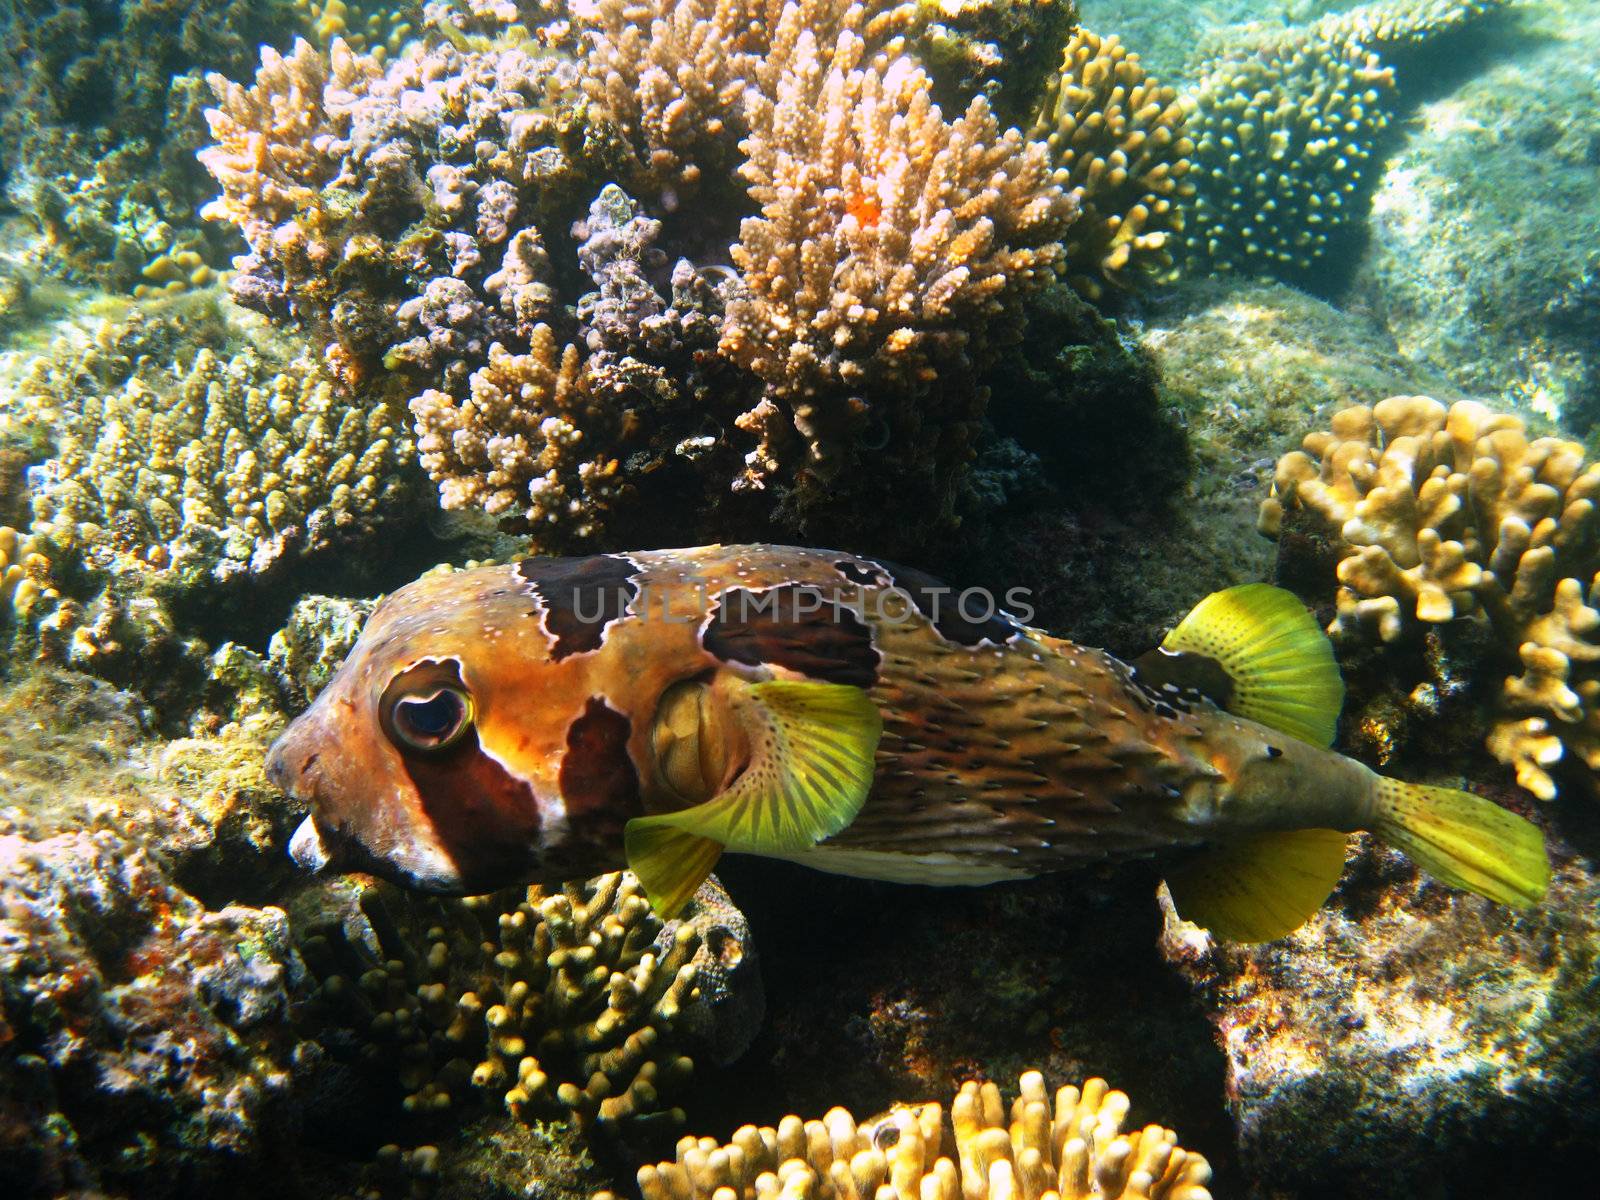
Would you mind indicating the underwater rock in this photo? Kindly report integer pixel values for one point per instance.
(1409, 1040)
(305, 653)
(1482, 258)
(145, 1035)
(1069, 1145)
(1159, 437)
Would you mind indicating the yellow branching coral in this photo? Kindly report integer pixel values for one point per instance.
(888, 236)
(1444, 514)
(24, 572)
(1069, 1147)
(219, 469)
(379, 26)
(1120, 135)
(551, 1003)
(516, 443)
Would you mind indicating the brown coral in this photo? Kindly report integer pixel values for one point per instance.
(1445, 514)
(1120, 135)
(889, 238)
(1068, 1148)
(516, 443)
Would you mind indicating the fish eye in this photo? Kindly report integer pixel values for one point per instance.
(429, 719)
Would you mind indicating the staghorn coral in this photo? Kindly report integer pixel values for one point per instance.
(1120, 135)
(1438, 515)
(562, 1003)
(1069, 1146)
(218, 469)
(1286, 127)
(889, 240)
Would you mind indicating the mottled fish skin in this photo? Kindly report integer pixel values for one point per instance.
(1005, 752)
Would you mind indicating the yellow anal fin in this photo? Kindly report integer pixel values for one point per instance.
(1260, 887)
(1280, 661)
(1464, 840)
(671, 865)
(812, 749)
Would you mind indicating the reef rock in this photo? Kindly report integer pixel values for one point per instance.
(1411, 1041)
(1482, 258)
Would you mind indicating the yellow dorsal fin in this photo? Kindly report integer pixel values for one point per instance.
(1260, 887)
(1281, 663)
(812, 747)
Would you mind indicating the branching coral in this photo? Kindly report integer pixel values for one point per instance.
(1445, 514)
(219, 469)
(889, 239)
(558, 1003)
(1120, 135)
(1069, 1147)
(1286, 125)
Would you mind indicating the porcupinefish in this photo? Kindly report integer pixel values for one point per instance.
(561, 717)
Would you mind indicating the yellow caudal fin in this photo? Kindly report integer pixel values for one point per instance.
(1464, 840)
(811, 764)
(1274, 653)
(1260, 887)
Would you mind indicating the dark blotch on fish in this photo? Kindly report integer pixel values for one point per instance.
(794, 626)
(580, 596)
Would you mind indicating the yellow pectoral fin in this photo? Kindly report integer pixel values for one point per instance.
(671, 864)
(1260, 887)
(811, 764)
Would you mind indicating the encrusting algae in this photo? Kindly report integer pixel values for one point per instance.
(1067, 1147)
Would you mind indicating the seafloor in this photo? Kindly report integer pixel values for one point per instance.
(299, 300)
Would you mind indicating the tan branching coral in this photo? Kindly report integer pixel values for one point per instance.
(516, 443)
(888, 238)
(219, 468)
(1444, 514)
(673, 75)
(1120, 135)
(1067, 1147)
(551, 1003)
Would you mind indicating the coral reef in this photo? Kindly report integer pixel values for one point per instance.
(1120, 135)
(1287, 125)
(1439, 514)
(100, 121)
(413, 214)
(144, 1033)
(304, 654)
(1408, 1039)
(1070, 1145)
(569, 1003)
(1480, 259)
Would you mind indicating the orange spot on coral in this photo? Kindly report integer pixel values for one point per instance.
(865, 209)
